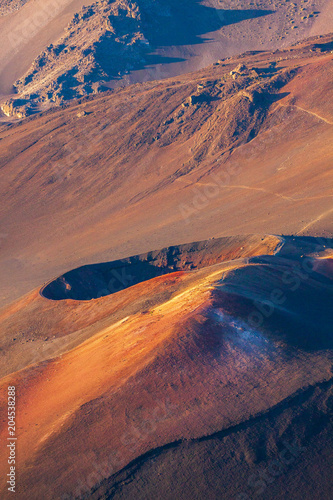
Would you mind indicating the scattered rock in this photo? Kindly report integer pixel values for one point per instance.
(10, 6)
(16, 108)
(241, 69)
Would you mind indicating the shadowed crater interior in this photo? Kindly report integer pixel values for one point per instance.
(98, 280)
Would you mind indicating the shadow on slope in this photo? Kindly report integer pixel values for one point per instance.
(262, 454)
(288, 296)
(184, 23)
(163, 24)
(98, 280)
(85, 58)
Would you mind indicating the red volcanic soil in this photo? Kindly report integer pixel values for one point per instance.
(183, 357)
(34, 329)
(149, 166)
(168, 373)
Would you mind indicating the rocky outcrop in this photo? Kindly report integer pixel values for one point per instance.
(102, 42)
(10, 6)
(110, 38)
(228, 111)
(16, 108)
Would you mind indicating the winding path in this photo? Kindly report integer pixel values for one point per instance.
(317, 219)
(306, 111)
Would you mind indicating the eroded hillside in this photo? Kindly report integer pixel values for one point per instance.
(168, 162)
(110, 41)
(197, 353)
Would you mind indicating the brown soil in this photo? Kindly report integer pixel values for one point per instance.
(55, 51)
(148, 167)
(184, 356)
(192, 381)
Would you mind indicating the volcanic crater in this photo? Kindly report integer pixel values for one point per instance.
(97, 280)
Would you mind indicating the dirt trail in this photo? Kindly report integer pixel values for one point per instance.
(306, 111)
(317, 219)
(266, 191)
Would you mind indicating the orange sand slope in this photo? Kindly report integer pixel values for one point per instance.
(161, 163)
(201, 357)
(185, 354)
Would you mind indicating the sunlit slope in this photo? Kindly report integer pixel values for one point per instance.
(226, 343)
(151, 166)
(34, 329)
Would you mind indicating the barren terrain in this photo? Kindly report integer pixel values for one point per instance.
(172, 365)
(166, 266)
(54, 51)
(169, 162)
(10, 6)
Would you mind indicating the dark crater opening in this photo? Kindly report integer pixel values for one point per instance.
(98, 280)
